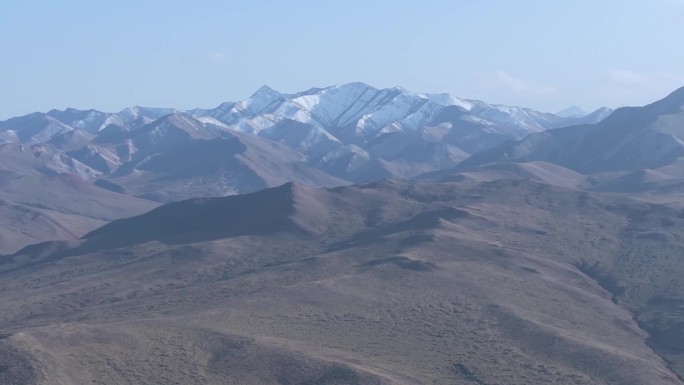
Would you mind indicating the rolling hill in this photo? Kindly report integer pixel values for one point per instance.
(502, 281)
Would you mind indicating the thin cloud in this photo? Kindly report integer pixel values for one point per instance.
(625, 77)
(506, 80)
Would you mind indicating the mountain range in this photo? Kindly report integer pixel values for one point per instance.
(343, 235)
(321, 137)
(351, 132)
(633, 149)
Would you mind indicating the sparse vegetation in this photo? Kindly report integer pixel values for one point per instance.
(376, 292)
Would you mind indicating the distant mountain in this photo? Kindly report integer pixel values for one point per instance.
(356, 132)
(359, 114)
(173, 161)
(572, 112)
(321, 137)
(630, 139)
(591, 118)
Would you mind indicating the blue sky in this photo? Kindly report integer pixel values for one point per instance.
(537, 53)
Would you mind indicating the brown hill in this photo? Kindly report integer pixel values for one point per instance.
(36, 208)
(501, 282)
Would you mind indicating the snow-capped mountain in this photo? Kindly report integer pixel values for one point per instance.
(343, 129)
(321, 136)
(357, 112)
(334, 136)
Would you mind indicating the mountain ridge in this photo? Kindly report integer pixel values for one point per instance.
(347, 133)
(629, 139)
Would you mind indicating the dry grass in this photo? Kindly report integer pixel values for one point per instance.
(489, 283)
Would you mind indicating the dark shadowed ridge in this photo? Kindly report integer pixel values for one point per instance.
(267, 212)
(290, 209)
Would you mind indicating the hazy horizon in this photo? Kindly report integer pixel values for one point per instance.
(546, 56)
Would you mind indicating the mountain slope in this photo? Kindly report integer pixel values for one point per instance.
(631, 138)
(330, 124)
(509, 281)
(222, 163)
(37, 208)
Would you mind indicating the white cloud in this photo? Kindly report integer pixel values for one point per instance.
(506, 80)
(628, 78)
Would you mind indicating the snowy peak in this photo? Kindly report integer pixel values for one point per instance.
(266, 92)
(449, 100)
(174, 125)
(88, 120)
(143, 114)
(261, 100)
(357, 113)
(352, 132)
(338, 105)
